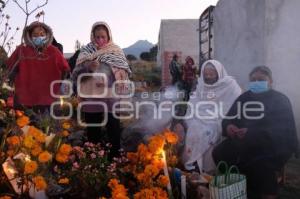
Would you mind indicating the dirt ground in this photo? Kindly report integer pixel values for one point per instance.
(291, 188)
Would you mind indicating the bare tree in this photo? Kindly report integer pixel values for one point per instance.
(38, 16)
(3, 3)
(27, 12)
(6, 35)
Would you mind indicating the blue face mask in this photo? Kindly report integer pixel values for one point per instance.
(39, 41)
(258, 86)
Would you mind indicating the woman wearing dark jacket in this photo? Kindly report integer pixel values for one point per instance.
(261, 134)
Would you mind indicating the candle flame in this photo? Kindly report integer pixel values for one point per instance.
(27, 158)
(163, 155)
(61, 101)
(11, 170)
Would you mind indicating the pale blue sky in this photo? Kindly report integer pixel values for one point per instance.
(130, 20)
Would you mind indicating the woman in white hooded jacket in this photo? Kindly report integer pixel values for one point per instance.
(215, 93)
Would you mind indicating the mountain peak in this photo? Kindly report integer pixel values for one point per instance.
(138, 47)
(143, 42)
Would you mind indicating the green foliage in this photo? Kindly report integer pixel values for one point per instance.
(145, 56)
(131, 57)
(151, 55)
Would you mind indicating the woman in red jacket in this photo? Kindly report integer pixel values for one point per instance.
(36, 64)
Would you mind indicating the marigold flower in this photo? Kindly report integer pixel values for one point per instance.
(10, 153)
(5, 197)
(173, 160)
(151, 170)
(29, 141)
(171, 137)
(140, 177)
(159, 163)
(113, 182)
(66, 125)
(19, 113)
(146, 157)
(142, 150)
(132, 157)
(30, 167)
(65, 149)
(118, 190)
(156, 144)
(39, 183)
(37, 134)
(154, 192)
(61, 158)
(163, 180)
(36, 149)
(65, 133)
(45, 157)
(13, 140)
(23, 121)
(63, 181)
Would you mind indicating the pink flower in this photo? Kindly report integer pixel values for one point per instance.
(101, 153)
(55, 169)
(76, 165)
(72, 158)
(79, 151)
(93, 155)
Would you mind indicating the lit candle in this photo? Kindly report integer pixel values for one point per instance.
(61, 102)
(183, 186)
(27, 158)
(166, 172)
(10, 171)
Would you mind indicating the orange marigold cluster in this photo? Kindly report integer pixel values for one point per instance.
(118, 190)
(13, 140)
(30, 167)
(45, 157)
(151, 193)
(40, 183)
(22, 121)
(63, 153)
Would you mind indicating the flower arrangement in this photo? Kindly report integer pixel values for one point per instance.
(36, 151)
(88, 170)
(27, 153)
(146, 166)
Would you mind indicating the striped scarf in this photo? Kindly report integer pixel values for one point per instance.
(111, 54)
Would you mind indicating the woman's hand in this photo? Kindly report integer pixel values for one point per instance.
(92, 65)
(241, 133)
(121, 75)
(232, 130)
